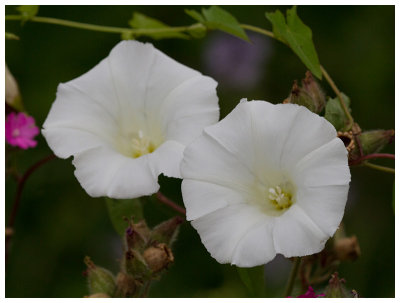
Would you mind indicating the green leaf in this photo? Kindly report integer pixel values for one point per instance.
(119, 210)
(297, 36)
(141, 21)
(335, 114)
(253, 279)
(218, 18)
(28, 11)
(195, 15)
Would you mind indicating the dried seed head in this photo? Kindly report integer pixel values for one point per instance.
(158, 257)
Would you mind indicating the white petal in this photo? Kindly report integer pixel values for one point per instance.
(327, 165)
(76, 122)
(234, 134)
(189, 108)
(167, 158)
(104, 172)
(257, 246)
(206, 160)
(201, 198)
(324, 205)
(151, 84)
(221, 231)
(307, 133)
(295, 234)
(271, 125)
(68, 141)
(130, 64)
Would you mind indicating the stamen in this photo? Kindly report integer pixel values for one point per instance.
(279, 198)
(141, 145)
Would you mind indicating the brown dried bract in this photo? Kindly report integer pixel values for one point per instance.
(158, 257)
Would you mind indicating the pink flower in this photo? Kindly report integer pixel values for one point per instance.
(310, 293)
(20, 130)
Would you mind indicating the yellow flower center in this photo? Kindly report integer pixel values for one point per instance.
(141, 145)
(279, 198)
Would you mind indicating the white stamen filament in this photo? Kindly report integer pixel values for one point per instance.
(279, 198)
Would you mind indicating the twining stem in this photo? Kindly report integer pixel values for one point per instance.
(163, 199)
(258, 30)
(339, 94)
(292, 277)
(380, 167)
(376, 155)
(176, 29)
(20, 187)
(372, 156)
(106, 29)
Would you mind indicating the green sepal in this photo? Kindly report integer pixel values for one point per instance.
(334, 112)
(167, 231)
(135, 265)
(297, 36)
(100, 280)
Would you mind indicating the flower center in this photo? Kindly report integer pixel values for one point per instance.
(141, 145)
(279, 198)
(16, 132)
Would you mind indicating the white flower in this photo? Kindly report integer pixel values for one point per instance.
(128, 120)
(267, 179)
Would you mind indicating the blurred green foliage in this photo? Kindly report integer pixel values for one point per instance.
(58, 224)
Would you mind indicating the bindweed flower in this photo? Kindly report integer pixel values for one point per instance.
(21, 130)
(128, 119)
(266, 179)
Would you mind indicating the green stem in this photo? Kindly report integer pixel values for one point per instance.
(105, 29)
(258, 30)
(339, 94)
(380, 167)
(292, 277)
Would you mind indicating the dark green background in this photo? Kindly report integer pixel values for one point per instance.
(58, 223)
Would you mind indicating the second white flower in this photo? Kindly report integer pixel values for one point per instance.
(266, 179)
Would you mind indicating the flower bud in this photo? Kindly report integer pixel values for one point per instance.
(309, 95)
(137, 235)
(100, 280)
(336, 288)
(135, 264)
(167, 231)
(373, 141)
(13, 97)
(347, 248)
(158, 257)
(126, 286)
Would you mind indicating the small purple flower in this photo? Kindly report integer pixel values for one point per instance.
(20, 130)
(310, 293)
(236, 63)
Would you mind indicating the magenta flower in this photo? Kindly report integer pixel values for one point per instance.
(310, 293)
(20, 130)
